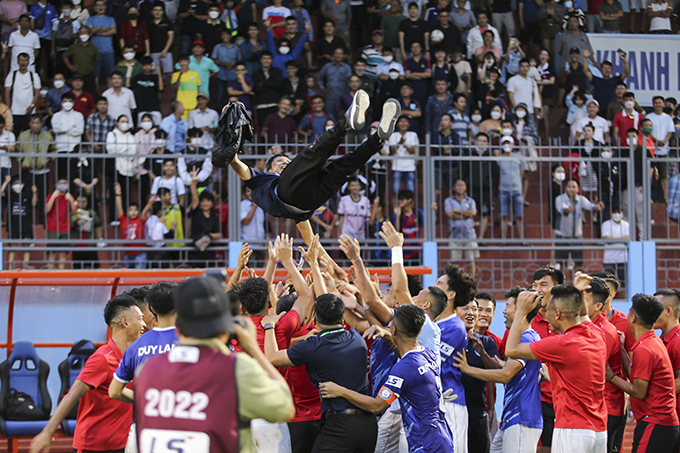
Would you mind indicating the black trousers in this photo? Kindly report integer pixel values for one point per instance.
(46, 49)
(616, 425)
(548, 423)
(20, 124)
(479, 439)
(651, 438)
(309, 181)
(347, 433)
(303, 435)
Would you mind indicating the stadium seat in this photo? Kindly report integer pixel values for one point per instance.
(25, 372)
(69, 370)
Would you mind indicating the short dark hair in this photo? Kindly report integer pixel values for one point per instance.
(157, 207)
(118, 73)
(463, 283)
(146, 61)
(555, 274)
(117, 305)
(266, 53)
(406, 195)
(35, 116)
(673, 296)
(629, 94)
(513, 292)
(438, 301)
(162, 191)
(487, 296)
(409, 320)
(101, 99)
(194, 132)
(160, 298)
(139, 294)
(611, 279)
(285, 303)
(647, 308)
(330, 309)
(599, 289)
(415, 286)
(568, 298)
(253, 294)
(490, 32)
(457, 96)
(68, 95)
(206, 195)
(607, 62)
(658, 97)
(270, 161)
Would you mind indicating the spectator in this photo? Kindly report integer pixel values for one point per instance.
(663, 131)
(492, 92)
(340, 12)
(418, 72)
(154, 163)
(574, 9)
(279, 127)
(333, 80)
(85, 225)
(524, 125)
(443, 70)
(293, 38)
(129, 67)
(559, 175)
(616, 255)
(58, 207)
(16, 193)
(97, 126)
(445, 144)
(196, 157)
(121, 142)
(464, 20)
(551, 17)
(296, 90)
(611, 12)
(156, 231)
(391, 22)
(65, 31)
(267, 86)
(593, 22)
(161, 36)
(354, 210)
(172, 215)
(132, 226)
(283, 49)
(492, 126)
(439, 103)
(23, 41)
(628, 117)
(214, 27)
(570, 205)
(68, 127)
(483, 177)
(35, 170)
(252, 218)
(274, 18)
(659, 13)
(145, 137)
(22, 89)
(410, 107)
(673, 207)
(452, 39)
(176, 127)
(205, 225)
(372, 53)
(242, 86)
(604, 88)
(464, 72)
(461, 121)
(592, 178)
(193, 14)
(512, 57)
(576, 108)
(484, 66)
(572, 40)
(7, 145)
(204, 66)
(147, 87)
(78, 12)
(170, 182)
(461, 210)
(121, 99)
(633, 141)
(413, 30)
(11, 11)
(83, 58)
(475, 37)
(53, 96)
(326, 45)
(367, 80)
(409, 221)
(205, 119)
(313, 124)
(523, 90)
(103, 30)
(134, 32)
(600, 124)
(45, 13)
(187, 82)
(225, 55)
(251, 49)
(546, 84)
(403, 143)
(475, 121)
(487, 46)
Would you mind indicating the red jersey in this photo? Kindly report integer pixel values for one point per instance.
(102, 423)
(576, 364)
(285, 329)
(504, 341)
(494, 337)
(83, 103)
(625, 122)
(133, 230)
(542, 328)
(672, 343)
(620, 321)
(613, 395)
(59, 218)
(651, 363)
(305, 394)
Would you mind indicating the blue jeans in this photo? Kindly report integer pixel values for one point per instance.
(137, 261)
(409, 178)
(107, 63)
(185, 43)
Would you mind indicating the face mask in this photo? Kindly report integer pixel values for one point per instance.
(616, 217)
(457, 59)
(196, 141)
(62, 188)
(84, 38)
(283, 50)
(481, 150)
(495, 115)
(476, 118)
(160, 143)
(76, 2)
(58, 84)
(133, 16)
(630, 141)
(647, 130)
(146, 125)
(214, 14)
(606, 154)
(489, 62)
(68, 106)
(67, 12)
(17, 188)
(507, 148)
(388, 59)
(43, 93)
(667, 110)
(629, 105)
(394, 75)
(568, 5)
(124, 126)
(506, 131)
(328, 128)
(560, 176)
(521, 113)
(129, 56)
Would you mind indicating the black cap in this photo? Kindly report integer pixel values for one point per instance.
(203, 308)
(575, 50)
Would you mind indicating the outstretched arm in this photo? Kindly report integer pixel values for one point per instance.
(243, 256)
(526, 301)
(284, 247)
(241, 169)
(365, 402)
(395, 241)
(503, 375)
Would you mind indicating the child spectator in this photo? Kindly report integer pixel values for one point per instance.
(133, 229)
(186, 82)
(54, 94)
(21, 200)
(576, 108)
(205, 225)
(172, 213)
(354, 209)
(170, 182)
(203, 65)
(85, 225)
(58, 207)
(403, 143)
(156, 231)
(461, 210)
(129, 66)
(225, 55)
(409, 222)
(616, 255)
(510, 187)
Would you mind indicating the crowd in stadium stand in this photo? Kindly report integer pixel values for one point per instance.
(423, 378)
(480, 80)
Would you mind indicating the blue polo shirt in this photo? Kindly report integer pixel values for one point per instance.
(104, 43)
(336, 355)
(264, 186)
(453, 341)
(317, 124)
(53, 98)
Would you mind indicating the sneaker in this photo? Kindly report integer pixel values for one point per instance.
(391, 112)
(356, 113)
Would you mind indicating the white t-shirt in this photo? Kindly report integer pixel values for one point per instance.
(663, 124)
(255, 229)
(659, 23)
(522, 89)
(7, 139)
(22, 92)
(20, 44)
(201, 120)
(273, 11)
(410, 139)
(384, 68)
(615, 253)
(356, 213)
(174, 184)
(462, 68)
(601, 126)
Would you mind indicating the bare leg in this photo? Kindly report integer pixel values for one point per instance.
(482, 226)
(62, 260)
(504, 225)
(664, 188)
(10, 261)
(520, 226)
(27, 258)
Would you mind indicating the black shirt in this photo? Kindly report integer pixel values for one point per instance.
(576, 77)
(80, 168)
(452, 39)
(414, 31)
(202, 225)
(604, 91)
(501, 6)
(267, 90)
(324, 47)
(145, 88)
(158, 34)
(475, 390)
(20, 212)
(191, 25)
(212, 35)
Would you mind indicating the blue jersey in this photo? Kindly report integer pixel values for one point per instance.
(155, 342)
(415, 381)
(381, 361)
(522, 400)
(430, 337)
(453, 341)
(265, 194)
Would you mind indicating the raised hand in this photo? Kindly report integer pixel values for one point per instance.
(312, 254)
(244, 255)
(582, 281)
(284, 247)
(391, 236)
(350, 247)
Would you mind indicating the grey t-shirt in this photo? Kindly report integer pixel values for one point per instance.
(463, 228)
(606, 9)
(511, 175)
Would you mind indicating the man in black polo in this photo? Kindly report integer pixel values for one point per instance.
(336, 355)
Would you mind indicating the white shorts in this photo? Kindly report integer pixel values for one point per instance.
(581, 440)
(470, 255)
(131, 446)
(164, 63)
(457, 416)
(270, 437)
(516, 439)
(391, 435)
(633, 5)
